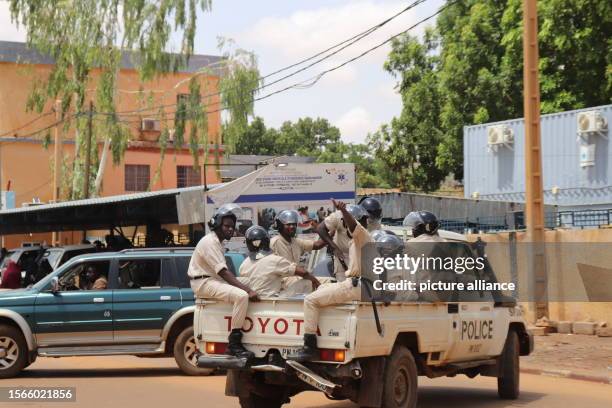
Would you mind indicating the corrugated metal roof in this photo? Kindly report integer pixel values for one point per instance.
(107, 200)
(18, 52)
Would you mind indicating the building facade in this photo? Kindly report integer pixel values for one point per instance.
(27, 159)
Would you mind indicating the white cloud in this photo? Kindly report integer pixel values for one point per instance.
(307, 32)
(8, 30)
(355, 125)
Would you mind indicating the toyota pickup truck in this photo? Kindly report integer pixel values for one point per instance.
(370, 353)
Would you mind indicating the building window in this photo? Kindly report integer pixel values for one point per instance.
(187, 176)
(137, 177)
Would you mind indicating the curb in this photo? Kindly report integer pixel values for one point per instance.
(567, 374)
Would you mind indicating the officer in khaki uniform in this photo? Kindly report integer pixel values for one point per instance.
(212, 279)
(264, 271)
(287, 245)
(426, 242)
(334, 224)
(355, 218)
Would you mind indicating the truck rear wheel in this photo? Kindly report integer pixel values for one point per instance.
(185, 353)
(257, 401)
(13, 351)
(400, 380)
(508, 380)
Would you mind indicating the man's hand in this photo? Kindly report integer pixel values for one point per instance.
(253, 296)
(340, 205)
(315, 282)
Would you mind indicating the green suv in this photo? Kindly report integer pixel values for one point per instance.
(141, 304)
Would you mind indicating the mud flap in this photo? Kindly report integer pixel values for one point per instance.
(313, 379)
(221, 362)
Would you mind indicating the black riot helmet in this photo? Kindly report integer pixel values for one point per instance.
(257, 239)
(388, 244)
(288, 218)
(373, 207)
(359, 213)
(231, 210)
(421, 222)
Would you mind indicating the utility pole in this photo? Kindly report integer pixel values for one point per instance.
(534, 195)
(57, 157)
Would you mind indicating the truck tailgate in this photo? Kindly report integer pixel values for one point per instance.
(274, 324)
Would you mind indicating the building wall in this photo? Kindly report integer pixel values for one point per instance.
(29, 166)
(501, 175)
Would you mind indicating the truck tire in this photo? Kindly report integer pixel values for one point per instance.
(508, 379)
(185, 353)
(14, 351)
(400, 380)
(256, 401)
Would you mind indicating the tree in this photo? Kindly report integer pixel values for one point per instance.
(478, 75)
(409, 145)
(257, 139)
(88, 39)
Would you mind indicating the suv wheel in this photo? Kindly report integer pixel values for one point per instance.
(508, 380)
(186, 353)
(13, 351)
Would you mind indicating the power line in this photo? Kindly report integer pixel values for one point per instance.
(36, 119)
(344, 44)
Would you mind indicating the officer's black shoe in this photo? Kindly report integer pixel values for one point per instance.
(235, 347)
(309, 352)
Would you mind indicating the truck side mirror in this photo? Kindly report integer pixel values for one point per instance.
(54, 285)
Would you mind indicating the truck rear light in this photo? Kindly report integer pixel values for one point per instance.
(215, 348)
(332, 355)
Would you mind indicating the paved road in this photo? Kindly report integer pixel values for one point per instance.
(139, 382)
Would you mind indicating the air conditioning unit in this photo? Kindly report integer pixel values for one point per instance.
(500, 135)
(591, 122)
(150, 125)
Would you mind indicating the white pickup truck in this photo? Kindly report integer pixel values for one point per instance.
(371, 354)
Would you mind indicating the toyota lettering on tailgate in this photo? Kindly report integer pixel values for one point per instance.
(270, 325)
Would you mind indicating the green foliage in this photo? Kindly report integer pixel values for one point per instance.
(469, 70)
(315, 138)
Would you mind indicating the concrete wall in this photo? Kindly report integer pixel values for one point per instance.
(567, 251)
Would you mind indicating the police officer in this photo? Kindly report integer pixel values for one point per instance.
(427, 243)
(287, 245)
(389, 245)
(374, 209)
(264, 271)
(212, 279)
(355, 218)
(334, 224)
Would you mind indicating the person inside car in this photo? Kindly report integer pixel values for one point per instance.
(95, 280)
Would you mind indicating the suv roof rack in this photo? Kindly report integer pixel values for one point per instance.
(171, 249)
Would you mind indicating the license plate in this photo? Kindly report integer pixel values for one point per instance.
(288, 350)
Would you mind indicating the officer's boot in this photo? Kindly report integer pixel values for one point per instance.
(235, 347)
(309, 352)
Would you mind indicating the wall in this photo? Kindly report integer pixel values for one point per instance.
(565, 249)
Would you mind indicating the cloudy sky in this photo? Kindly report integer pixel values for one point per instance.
(357, 98)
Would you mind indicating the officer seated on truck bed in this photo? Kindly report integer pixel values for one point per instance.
(263, 271)
(355, 217)
(212, 279)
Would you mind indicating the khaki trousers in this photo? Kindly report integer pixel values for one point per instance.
(327, 294)
(211, 288)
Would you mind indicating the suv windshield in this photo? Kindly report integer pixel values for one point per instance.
(53, 256)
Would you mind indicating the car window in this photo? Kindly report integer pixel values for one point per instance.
(139, 273)
(92, 275)
(182, 265)
(53, 256)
